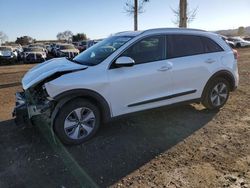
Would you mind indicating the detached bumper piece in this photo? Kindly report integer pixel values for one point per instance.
(20, 111)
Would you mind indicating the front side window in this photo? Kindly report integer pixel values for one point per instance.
(99, 52)
(147, 50)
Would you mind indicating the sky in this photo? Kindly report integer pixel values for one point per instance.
(43, 19)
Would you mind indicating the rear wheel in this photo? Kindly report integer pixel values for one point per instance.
(216, 93)
(77, 121)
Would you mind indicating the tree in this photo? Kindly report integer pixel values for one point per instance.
(66, 35)
(24, 40)
(241, 31)
(79, 37)
(134, 9)
(183, 15)
(3, 37)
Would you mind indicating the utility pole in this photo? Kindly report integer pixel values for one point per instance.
(183, 13)
(135, 15)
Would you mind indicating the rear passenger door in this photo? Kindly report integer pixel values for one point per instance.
(193, 59)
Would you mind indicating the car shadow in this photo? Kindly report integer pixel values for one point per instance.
(128, 143)
(118, 149)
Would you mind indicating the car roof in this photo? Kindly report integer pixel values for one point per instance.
(160, 30)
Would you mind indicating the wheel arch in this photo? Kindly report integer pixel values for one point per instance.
(90, 95)
(221, 74)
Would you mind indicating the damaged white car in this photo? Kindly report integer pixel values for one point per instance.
(67, 50)
(128, 72)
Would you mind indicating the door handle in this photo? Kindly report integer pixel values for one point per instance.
(164, 68)
(210, 61)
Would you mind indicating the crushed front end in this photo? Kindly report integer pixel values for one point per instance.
(31, 102)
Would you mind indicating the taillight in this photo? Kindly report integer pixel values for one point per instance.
(236, 55)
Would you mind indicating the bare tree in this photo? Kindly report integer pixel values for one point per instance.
(135, 8)
(66, 35)
(3, 37)
(183, 15)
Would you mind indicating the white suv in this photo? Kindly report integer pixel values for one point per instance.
(125, 73)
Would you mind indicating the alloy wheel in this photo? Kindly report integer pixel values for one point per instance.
(219, 94)
(79, 123)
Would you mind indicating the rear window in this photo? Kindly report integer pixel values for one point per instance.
(188, 45)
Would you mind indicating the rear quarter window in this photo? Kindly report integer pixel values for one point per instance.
(210, 45)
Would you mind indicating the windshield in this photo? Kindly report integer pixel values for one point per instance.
(5, 48)
(65, 47)
(34, 50)
(83, 42)
(99, 52)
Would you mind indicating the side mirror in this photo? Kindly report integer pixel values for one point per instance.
(124, 61)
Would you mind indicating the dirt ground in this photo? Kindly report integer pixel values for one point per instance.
(184, 146)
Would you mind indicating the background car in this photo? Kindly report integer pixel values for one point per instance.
(33, 55)
(230, 43)
(55, 49)
(39, 45)
(67, 50)
(247, 38)
(7, 52)
(239, 42)
(81, 46)
(48, 47)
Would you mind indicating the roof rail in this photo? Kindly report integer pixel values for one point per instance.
(177, 28)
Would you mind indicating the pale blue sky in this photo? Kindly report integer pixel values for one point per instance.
(43, 19)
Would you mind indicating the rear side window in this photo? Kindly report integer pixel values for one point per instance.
(184, 45)
(188, 45)
(210, 45)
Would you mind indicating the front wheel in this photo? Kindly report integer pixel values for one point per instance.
(77, 121)
(216, 93)
(238, 45)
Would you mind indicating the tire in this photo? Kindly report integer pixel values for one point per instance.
(77, 121)
(231, 45)
(216, 98)
(238, 45)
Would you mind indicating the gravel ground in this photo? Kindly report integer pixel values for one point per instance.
(184, 146)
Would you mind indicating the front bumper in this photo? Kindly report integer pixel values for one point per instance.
(20, 111)
(24, 111)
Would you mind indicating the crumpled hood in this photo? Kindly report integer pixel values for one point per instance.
(48, 68)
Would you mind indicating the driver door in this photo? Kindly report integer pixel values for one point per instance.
(145, 84)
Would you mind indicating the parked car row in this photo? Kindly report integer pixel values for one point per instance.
(236, 42)
(39, 52)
